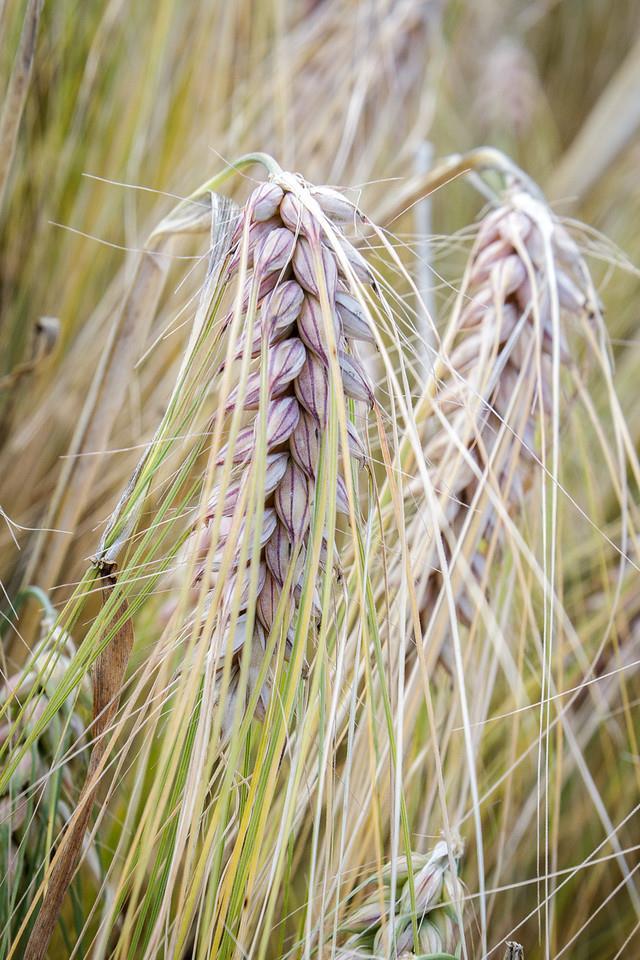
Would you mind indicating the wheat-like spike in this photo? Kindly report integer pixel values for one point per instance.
(378, 928)
(299, 260)
(519, 294)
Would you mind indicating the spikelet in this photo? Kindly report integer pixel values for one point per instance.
(370, 929)
(304, 277)
(42, 792)
(497, 389)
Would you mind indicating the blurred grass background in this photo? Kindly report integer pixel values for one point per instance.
(153, 95)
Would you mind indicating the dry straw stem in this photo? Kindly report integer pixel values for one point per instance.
(16, 93)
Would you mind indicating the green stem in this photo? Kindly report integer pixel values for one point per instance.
(246, 160)
(41, 596)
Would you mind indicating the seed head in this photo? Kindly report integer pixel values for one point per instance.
(301, 316)
(499, 379)
(377, 921)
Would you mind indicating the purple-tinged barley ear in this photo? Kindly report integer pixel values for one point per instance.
(277, 333)
(267, 604)
(367, 917)
(486, 260)
(265, 201)
(548, 340)
(236, 638)
(269, 520)
(293, 499)
(276, 464)
(288, 645)
(316, 605)
(304, 444)
(296, 217)
(428, 881)
(239, 228)
(242, 448)
(283, 307)
(534, 245)
(265, 286)
(255, 665)
(250, 399)
(257, 233)
(515, 227)
(335, 206)
(354, 380)
(256, 342)
(244, 578)
(285, 362)
(355, 324)
(506, 317)
(312, 389)
(357, 262)
(228, 715)
(275, 467)
(476, 308)
(278, 554)
(356, 446)
(311, 326)
(403, 941)
(274, 251)
(508, 274)
(489, 229)
(535, 301)
(230, 499)
(466, 355)
(570, 296)
(282, 417)
(565, 247)
(304, 267)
